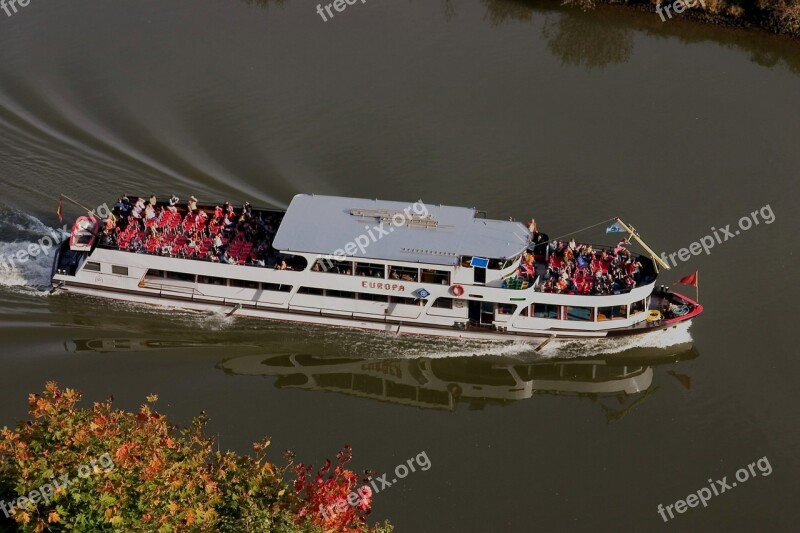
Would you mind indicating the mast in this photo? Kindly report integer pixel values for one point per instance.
(642, 243)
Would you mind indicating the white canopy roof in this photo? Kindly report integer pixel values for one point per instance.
(434, 234)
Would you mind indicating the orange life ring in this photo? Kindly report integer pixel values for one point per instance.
(457, 290)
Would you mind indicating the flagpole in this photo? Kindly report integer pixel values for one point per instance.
(67, 198)
(697, 287)
(643, 244)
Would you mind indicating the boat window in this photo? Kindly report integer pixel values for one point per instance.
(211, 280)
(340, 294)
(506, 309)
(544, 311)
(585, 314)
(404, 273)
(499, 264)
(180, 276)
(244, 283)
(373, 270)
(152, 273)
(333, 267)
(119, 270)
(439, 277)
(466, 261)
(373, 297)
(401, 300)
(443, 303)
(310, 290)
(616, 312)
(92, 266)
(637, 307)
(277, 287)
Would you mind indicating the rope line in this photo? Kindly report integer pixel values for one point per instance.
(574, 232)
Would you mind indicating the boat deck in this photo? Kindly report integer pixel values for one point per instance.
(192, 235)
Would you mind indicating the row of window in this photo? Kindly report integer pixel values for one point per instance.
(376, 270)
(446, 303)
(93, 266)
(491, 264)
(584, 314)
(212, 280)
(555, 312)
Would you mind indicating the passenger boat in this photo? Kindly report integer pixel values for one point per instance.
(378, 265)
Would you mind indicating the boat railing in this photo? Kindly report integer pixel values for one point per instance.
(164, 287)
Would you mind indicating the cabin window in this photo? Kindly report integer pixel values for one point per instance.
(92, 266)
(637, 307)
(372, 270)
(466, 261)
(616, 312)
(544, 311)
(180, 276)
(310, 290)
(401, 300)
(373, 297)
(333, 267)
(585, 314)
(211, 280)
(443, 303)
(152, 273)
(340, 294)
(500, 264)
(439, 277)
(119, 270)
(277, 287)
(404, 273)
(243, 283)
(506, 309)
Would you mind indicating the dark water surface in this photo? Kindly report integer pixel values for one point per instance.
(521, 109)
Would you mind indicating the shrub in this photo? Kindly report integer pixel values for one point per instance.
(136, 472)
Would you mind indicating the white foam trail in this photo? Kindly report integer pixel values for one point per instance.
(585, 348)
(25, 229)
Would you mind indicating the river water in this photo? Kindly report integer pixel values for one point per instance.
(519, 108)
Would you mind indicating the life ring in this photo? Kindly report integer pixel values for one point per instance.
(457, 290)
(654, 315)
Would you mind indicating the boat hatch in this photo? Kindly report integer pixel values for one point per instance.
(84, 233)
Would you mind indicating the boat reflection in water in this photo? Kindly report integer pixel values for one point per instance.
(617, 382)
(442, 383)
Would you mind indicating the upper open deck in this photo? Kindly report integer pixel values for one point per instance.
(237, 235)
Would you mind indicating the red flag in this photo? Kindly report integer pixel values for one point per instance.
(58, 211)
(691, 279)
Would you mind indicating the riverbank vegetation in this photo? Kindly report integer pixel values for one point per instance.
(776, 16)
(154, 476)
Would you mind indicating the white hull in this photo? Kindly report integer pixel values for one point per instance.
(320, 319)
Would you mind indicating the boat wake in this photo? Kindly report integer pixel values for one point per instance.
(665, 339)
(19, 232)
